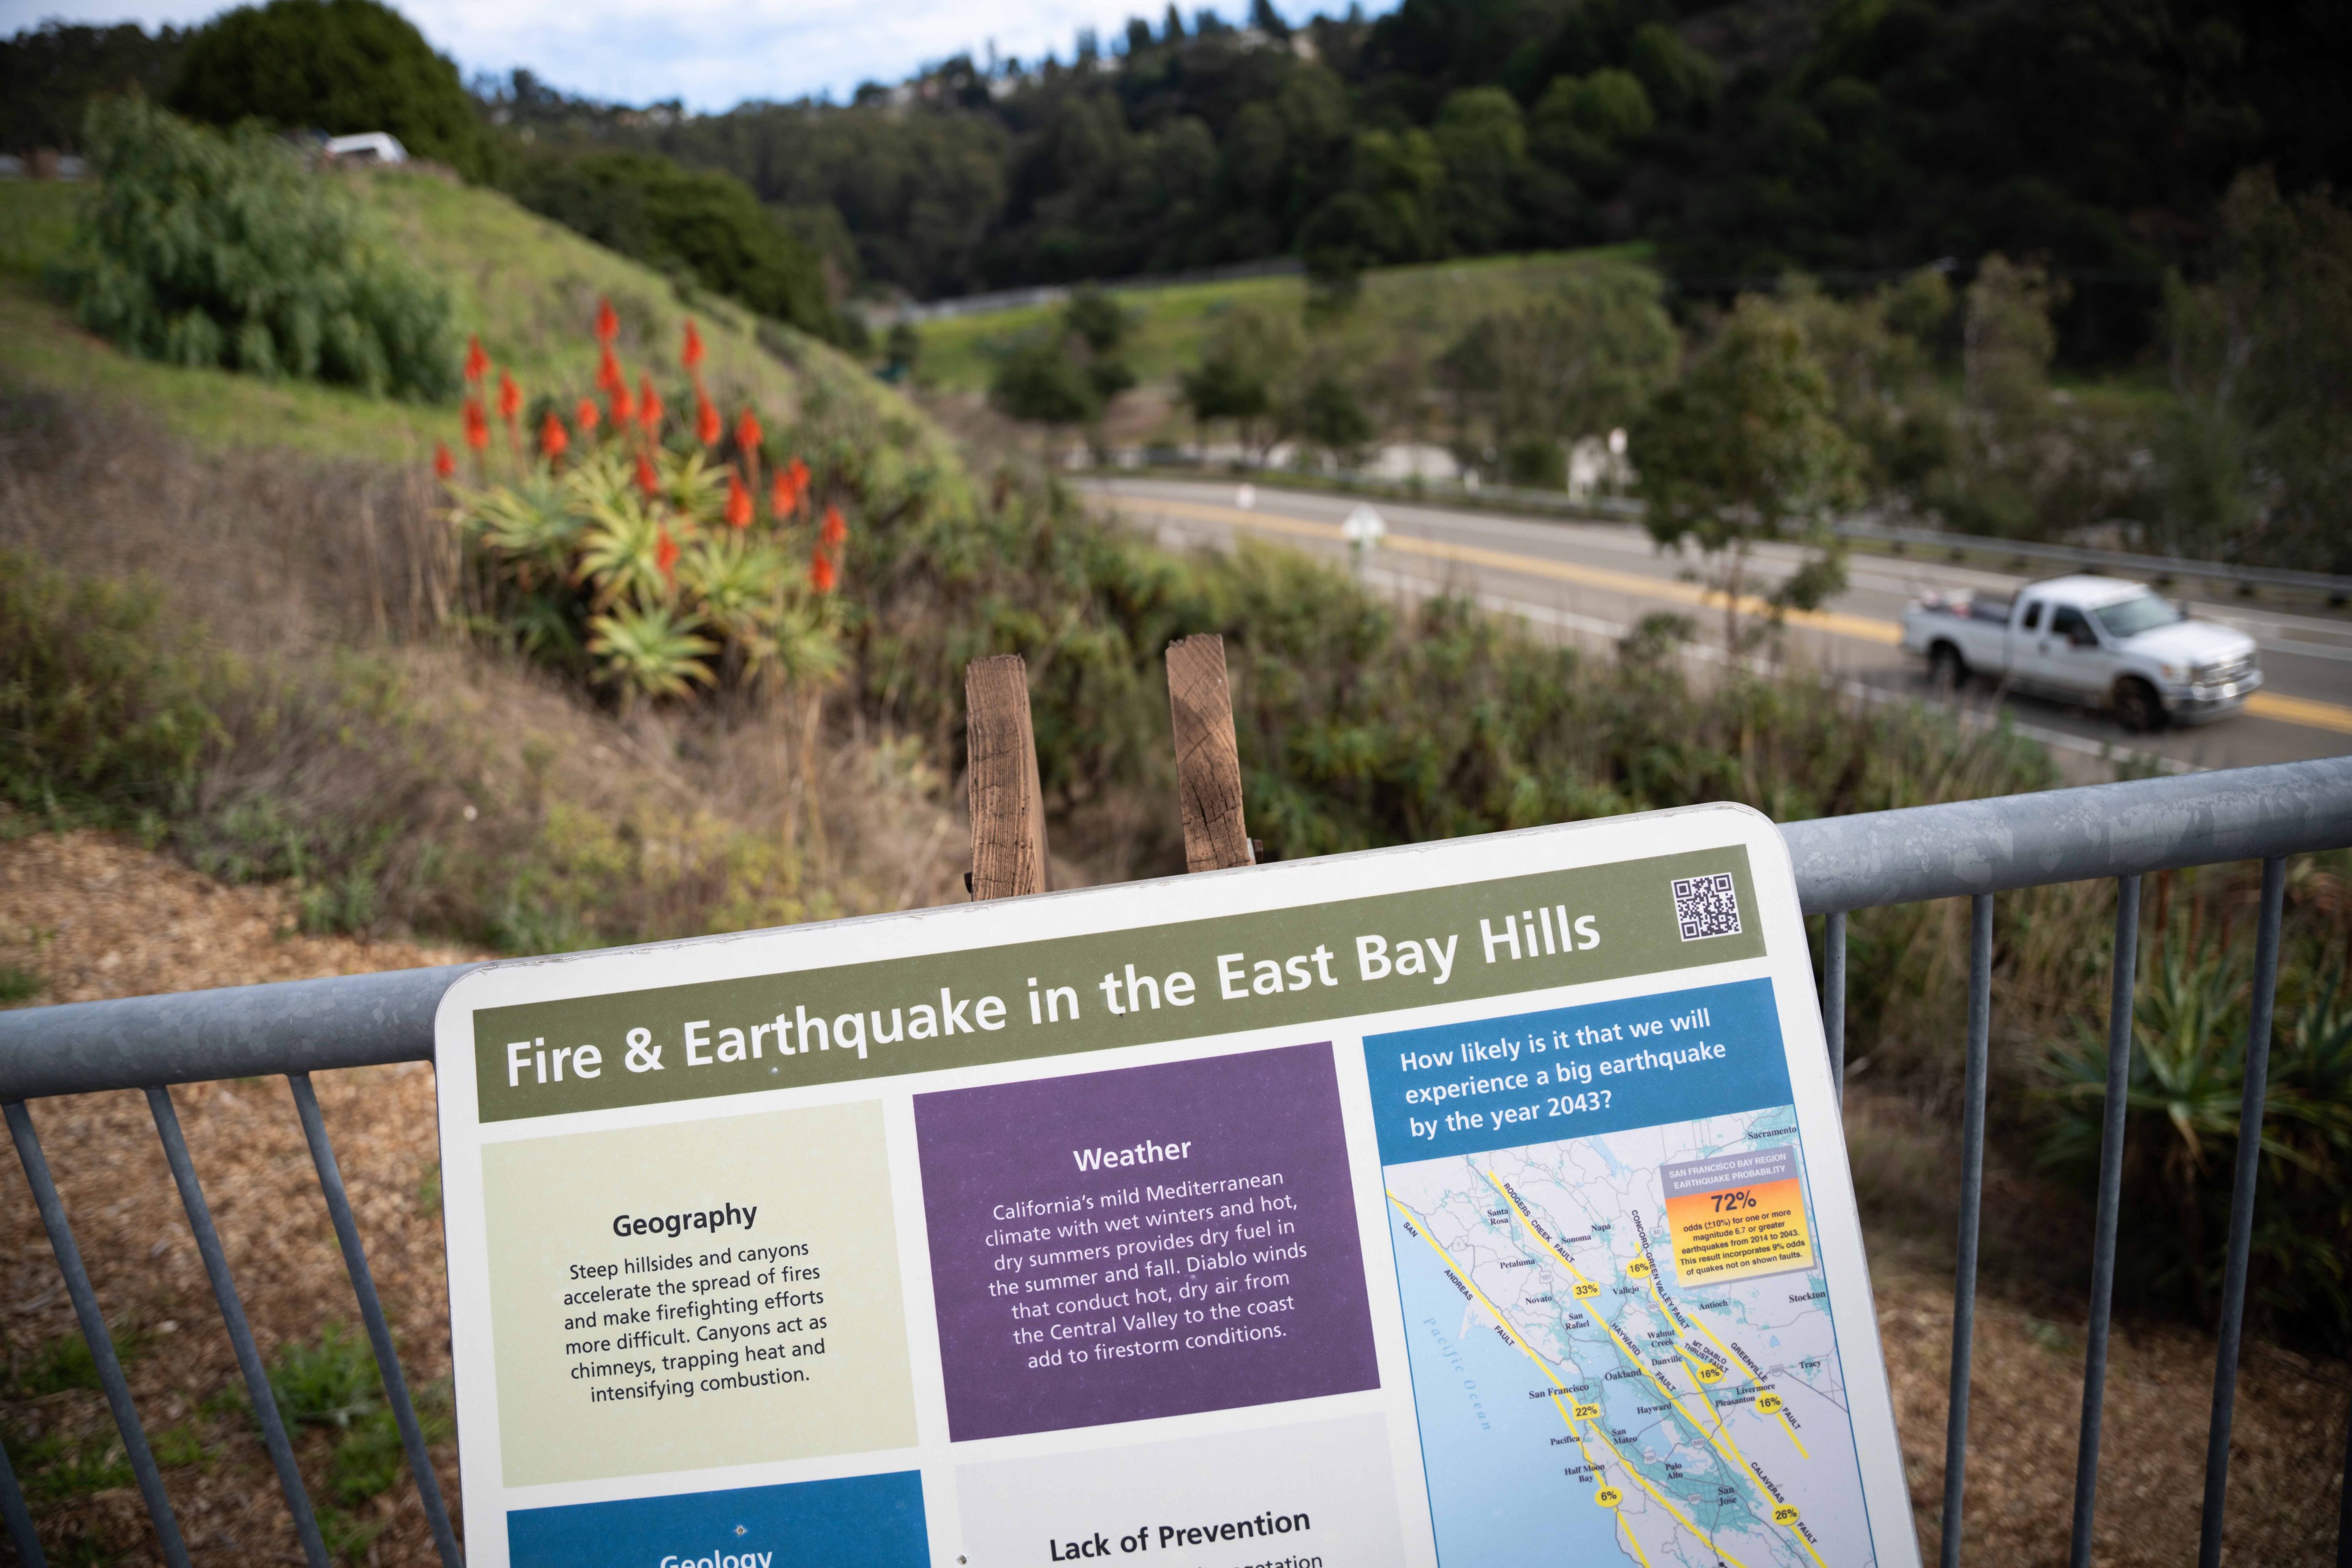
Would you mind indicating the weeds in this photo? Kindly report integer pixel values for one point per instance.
(333, 1382)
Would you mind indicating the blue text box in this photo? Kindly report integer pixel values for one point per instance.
(1459, 1089)
(859, 1521)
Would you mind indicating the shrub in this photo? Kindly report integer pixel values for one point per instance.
(704, 225)
(2183, 1100)
(209, 250)
(337, 66)
(106, 716)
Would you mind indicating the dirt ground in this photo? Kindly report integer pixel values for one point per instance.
(96, 917)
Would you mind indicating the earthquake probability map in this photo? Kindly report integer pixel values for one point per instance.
(1622, 1342)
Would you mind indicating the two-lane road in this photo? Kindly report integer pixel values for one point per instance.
(1591, 582)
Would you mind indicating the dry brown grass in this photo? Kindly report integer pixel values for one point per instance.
(119, 921)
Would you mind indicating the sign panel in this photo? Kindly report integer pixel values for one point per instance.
(1471, 1203)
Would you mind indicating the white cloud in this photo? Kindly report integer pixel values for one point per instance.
(711, 53)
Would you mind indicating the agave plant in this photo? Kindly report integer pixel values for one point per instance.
(533, 525)
(623, 554)
(738, 583)
(657, 649)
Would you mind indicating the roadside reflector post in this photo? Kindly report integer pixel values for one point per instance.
(1008, 809)
(1208, 759)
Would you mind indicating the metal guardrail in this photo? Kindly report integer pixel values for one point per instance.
(2336, 588)
(1975, 850)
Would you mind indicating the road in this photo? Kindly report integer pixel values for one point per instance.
(1591, 582)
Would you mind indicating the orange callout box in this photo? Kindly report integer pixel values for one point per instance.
(1737, 1215)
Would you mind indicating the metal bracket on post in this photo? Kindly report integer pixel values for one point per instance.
(1008, 808)
(1208, 759)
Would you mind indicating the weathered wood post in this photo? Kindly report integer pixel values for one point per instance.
(1208, 759)
(1008, 810)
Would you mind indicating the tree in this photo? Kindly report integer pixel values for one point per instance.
(1327, 412)
(1040, 383)
(1745, 449)
(706, 224)
(1248, 356)
(337, 66)
(47, 74)
(1583, 361)
(2261, 361)
(1485, 147)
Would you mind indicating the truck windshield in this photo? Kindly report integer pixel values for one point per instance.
(2130, 617)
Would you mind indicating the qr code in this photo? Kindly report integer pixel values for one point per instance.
(1706, 906)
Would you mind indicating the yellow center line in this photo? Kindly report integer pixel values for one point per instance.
(2269, 705)
(1421, 1228)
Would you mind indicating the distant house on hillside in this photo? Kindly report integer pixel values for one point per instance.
(366, 147)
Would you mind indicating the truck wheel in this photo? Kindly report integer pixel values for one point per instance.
(1948, 670)
(2138, 707)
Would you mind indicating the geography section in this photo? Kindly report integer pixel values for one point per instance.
(680, 1298)
(1618, 1327)
(857, 1521)
(1146, 1242)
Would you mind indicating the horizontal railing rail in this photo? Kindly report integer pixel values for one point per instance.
(1974, 849)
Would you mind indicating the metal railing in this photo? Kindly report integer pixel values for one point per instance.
(1973, 849)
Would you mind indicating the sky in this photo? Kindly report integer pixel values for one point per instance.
(713, 54)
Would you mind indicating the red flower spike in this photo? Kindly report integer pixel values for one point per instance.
(691, 355)
(510, 398)
(820, 573)
(444, 465)
(799, 472)
(608, 325)
(706, 421)
(624, 410)
(780, 497)
(649, 407)
(648, 481)
(478, 363)
(747, 431)
(738, 502)
(552, 441)
(586, 417)
(608, 372)
(666, 556)
(478, 425)
(835, 530)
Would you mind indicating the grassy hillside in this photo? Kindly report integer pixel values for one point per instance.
(1427, 306)
(527, 286)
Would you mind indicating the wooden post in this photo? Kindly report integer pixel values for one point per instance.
(1208, 761)
(1008, 811)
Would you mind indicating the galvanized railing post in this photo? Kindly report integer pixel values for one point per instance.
(20, 1519)
(94, 1330)
(240, 1333)
(2242, 1212)
(1964, 1282)
(1833, 996)
(387, 1359)
(2103, 1237)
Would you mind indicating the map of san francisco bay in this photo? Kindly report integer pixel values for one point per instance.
(1622, 1350)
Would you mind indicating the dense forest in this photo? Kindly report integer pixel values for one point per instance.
(1854, 140)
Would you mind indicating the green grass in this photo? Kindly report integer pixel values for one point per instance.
(527, 286)
(1432, 303)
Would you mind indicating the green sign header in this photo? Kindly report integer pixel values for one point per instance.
(1021, 1000)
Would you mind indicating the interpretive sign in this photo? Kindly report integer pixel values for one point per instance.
(1475, 1203)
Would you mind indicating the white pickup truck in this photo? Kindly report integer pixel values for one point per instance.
(2095, 640)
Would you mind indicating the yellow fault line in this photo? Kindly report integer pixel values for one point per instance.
(2269, 705)
(1421, 1228)
(1789, 1427)
(1691, 1314)
(1732, 1454)
(1735, 1456)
